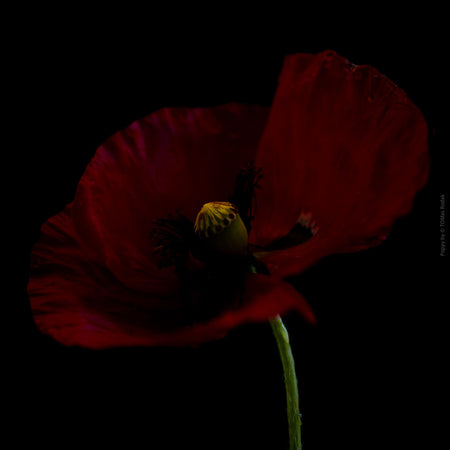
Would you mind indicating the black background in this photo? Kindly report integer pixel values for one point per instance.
(367, 372)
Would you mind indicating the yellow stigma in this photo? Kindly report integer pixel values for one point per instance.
(214, 217)
(222, 229)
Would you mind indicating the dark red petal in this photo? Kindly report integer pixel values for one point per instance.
(174, 159)
(344, 143)
(79, 302)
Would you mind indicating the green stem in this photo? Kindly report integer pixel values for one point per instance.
(290, 381)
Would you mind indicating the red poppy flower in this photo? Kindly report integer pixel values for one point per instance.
(343, 152)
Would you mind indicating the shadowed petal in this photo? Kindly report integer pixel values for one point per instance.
(78, 301)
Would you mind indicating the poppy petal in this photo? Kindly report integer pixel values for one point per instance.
(344, 144)
(79, 302)
(175, 159)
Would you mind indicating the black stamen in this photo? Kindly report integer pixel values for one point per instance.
(298, 235)
(174, 237)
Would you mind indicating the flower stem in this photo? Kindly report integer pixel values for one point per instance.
(290, 381)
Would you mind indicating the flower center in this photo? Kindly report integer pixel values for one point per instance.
(221, 230)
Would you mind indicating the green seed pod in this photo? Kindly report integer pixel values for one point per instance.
(221, 230)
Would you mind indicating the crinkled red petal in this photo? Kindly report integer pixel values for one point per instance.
(79, 302)
(343, 143)
(174, 159)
